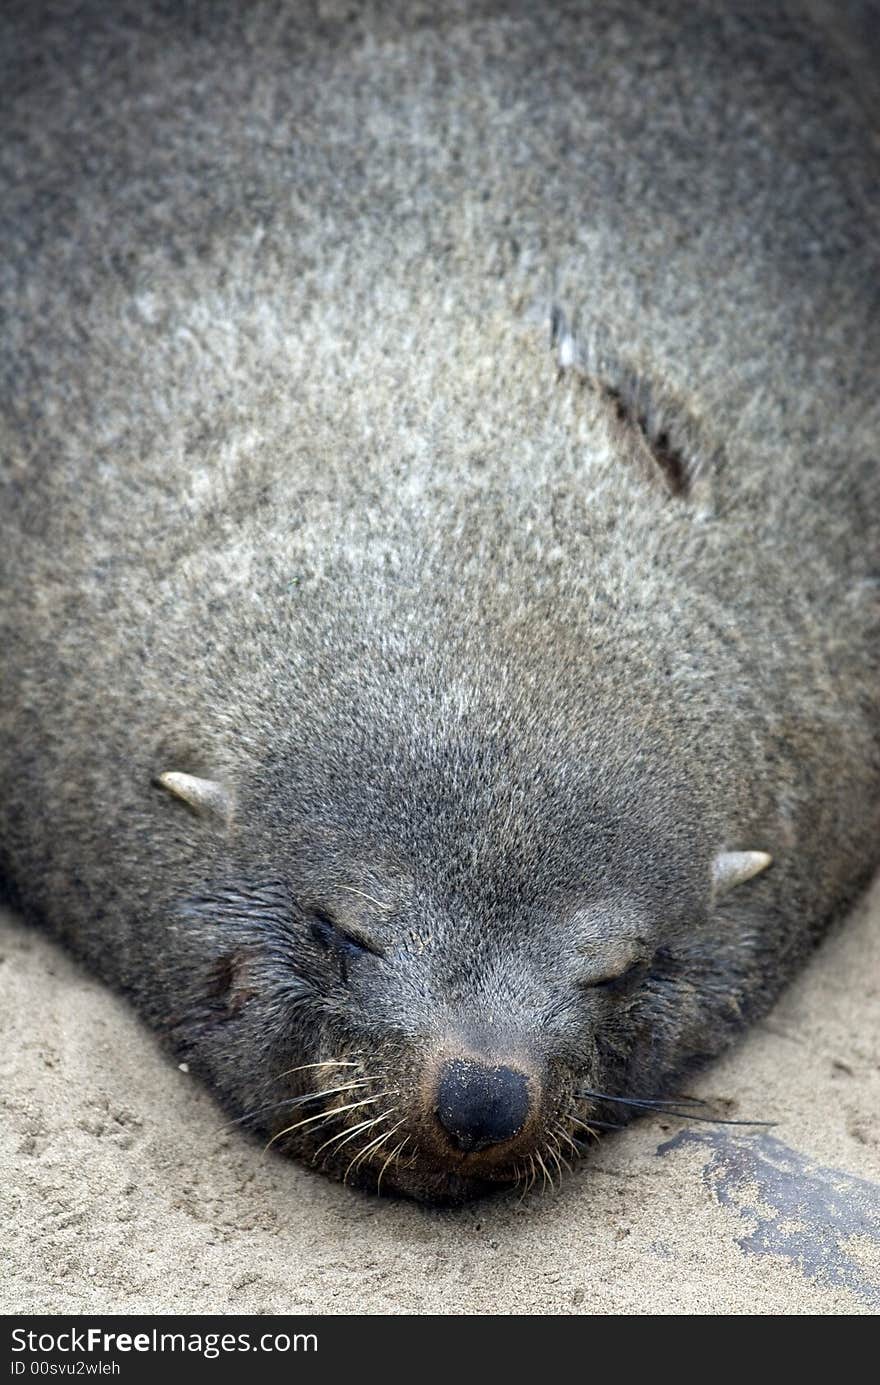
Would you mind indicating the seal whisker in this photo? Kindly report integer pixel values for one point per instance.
(559, 1158)
(521, 1179)
(564, 1135)
(663, 1108)
(543, 1167)
(526, 1176)
(367, 1149)
(645, 1100)
(551, 1151)
(343, 1136)
(327, 1063)
(349, 1062)
(391, 1157)
(326, 1115)
(294, 1101)
(576, 1120)
(534, 1172)
(349, 1132)
(322, 1117)
(376, 1142)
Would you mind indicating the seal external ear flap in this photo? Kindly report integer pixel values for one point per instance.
(205, 796)
(733, 867)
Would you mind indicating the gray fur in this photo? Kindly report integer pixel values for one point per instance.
(492, 647)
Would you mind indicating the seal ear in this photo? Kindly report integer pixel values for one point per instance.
(733, 867)
(205, 797)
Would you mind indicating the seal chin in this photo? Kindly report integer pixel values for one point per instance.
(447, 1185)
(443, 1173)
(437, 1170)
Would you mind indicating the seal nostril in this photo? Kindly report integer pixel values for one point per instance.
(479, 1106)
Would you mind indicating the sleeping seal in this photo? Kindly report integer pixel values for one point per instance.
(446, 741)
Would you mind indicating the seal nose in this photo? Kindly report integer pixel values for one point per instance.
(480, 1106)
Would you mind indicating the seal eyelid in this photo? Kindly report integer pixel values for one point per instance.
(328, 932)
(620, 980)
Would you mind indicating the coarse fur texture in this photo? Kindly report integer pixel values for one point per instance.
(486, 650)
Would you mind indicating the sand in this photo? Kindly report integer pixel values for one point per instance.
(125, 1190)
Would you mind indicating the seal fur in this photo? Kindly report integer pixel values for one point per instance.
(381, 688)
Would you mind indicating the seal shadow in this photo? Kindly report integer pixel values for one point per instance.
(822, 1220)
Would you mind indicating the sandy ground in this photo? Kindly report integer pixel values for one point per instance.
(124, 1191)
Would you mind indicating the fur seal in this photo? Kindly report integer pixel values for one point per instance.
(447, 743)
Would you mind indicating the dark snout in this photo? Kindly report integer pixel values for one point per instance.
(479, 1105)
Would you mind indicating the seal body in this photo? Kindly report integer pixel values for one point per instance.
(405, 714)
